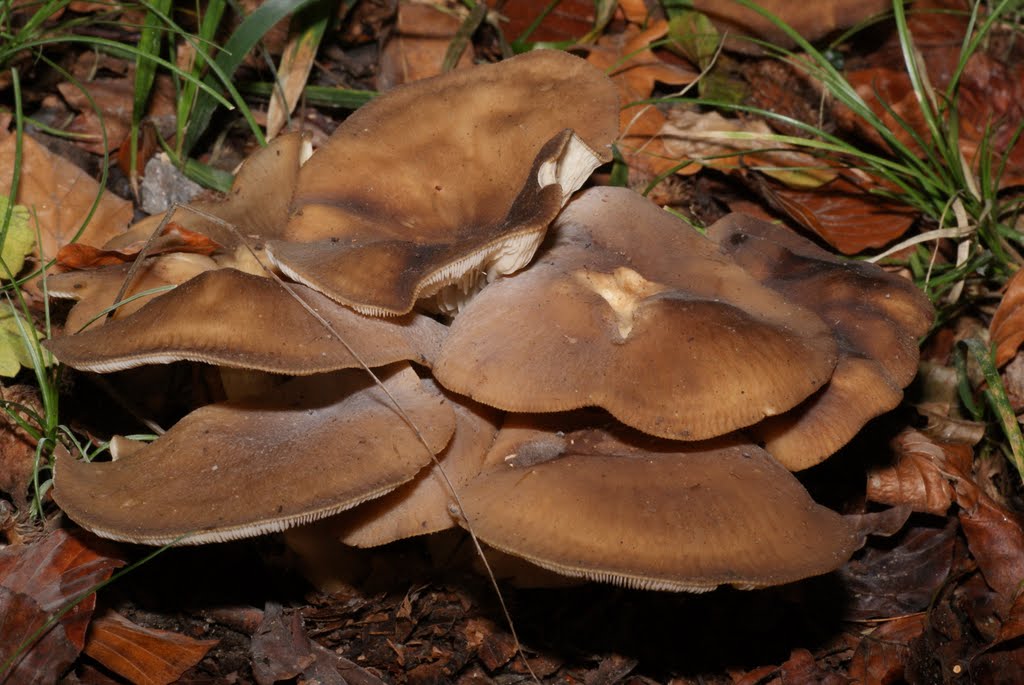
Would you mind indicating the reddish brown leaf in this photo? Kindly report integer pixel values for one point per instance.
(570, 20)
(144, 656)
(990, 97)
(995, 538)
(1007, 327)
(883, 653)
(844, 213)
(17, 448)
(36, 582)
(175, 238)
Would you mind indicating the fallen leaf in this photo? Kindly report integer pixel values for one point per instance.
(293, 73)
(60, 197)
(17, 447)
(921, 475)
(568, 20)
(812, 20)
(37, 581)
(105, 105)
(899, 575)
(143, 656)
(1007, 327)
(174, 238)
(417, 46)
(635, 69)
(18, 240)
(845, 212)
(709, 139)
(15, 347)
(884, 651)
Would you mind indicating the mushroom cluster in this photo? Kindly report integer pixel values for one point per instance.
(595, 378)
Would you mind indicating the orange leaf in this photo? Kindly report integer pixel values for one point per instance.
(79, 256)
(1007, 327)
(844, 214)
(144, 656)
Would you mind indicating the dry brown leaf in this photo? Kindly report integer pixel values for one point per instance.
(569, 21)
(1007, 327)
(60, 196)
(990, 97)
(417, 46)
(921, 475)
(17, 448)
(635, 69)
(292, 75)
(844, 213)
(144, 656)
(812, 20)
(884, 652)
(704, 137)
(113, 99)
(36, 581)
(995, 535)
(635, 11)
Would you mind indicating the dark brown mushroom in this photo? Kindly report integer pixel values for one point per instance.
(445, 182)
(876, 318)
(236, 320)
(632, 310)
(321, 445)
(614, 505)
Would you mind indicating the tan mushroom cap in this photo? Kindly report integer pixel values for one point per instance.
(876, 318)
(95, 289)
(633, 311)
(620, 507)
(446, 181)
(423, 505)
(233, 319)
(240, 469)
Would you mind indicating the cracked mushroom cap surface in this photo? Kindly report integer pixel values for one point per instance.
(876, 318)
(446, 181)
(618, 506)
(631, 310)
(239, 469)
(233, 319)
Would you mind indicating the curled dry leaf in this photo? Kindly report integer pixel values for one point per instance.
(144, 656)
(60, 196)
(174, 238)
(920, 476)
(995, 535)
(37, 581)
(112, 99)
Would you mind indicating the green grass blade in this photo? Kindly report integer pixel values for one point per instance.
(245, 37)
(997, 399)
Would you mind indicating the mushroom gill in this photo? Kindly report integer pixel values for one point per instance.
(446, 182)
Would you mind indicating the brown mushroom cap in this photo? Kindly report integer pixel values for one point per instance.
(620, 507)
(240, 469)
(233, 319)
(446, 180)
(422, 505)
(633, 311)
(95, 289)
(876, 318)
